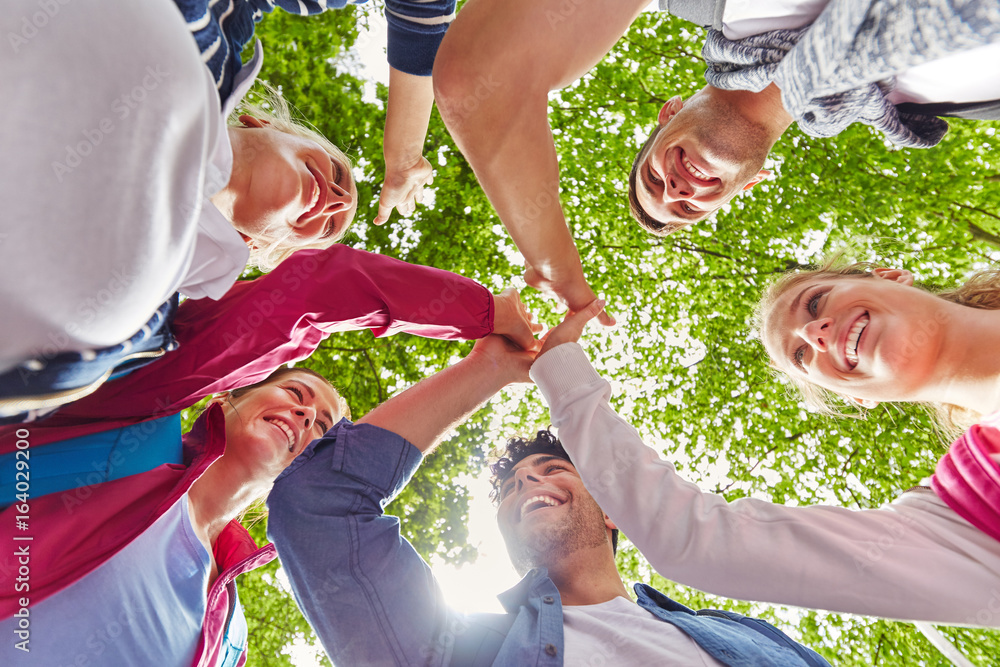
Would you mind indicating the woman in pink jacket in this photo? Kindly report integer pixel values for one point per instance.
(239, 340)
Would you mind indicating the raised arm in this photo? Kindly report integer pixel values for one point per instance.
(429, 409)
(283, 316)
(370, 597)
(913, 559)
(492, 78)
(407, 171)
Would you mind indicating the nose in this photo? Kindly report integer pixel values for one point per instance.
(817, 333)
(523, 476)
(340, 199)
(305, 414)
(677, 188)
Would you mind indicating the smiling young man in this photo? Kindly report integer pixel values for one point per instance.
(373, 601)
(770, 62)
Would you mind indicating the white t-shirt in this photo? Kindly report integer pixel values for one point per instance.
(620, 632)
(113, 138)
(970, 76)
(143, 606)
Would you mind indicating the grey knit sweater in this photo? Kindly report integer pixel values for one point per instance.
(838, 70)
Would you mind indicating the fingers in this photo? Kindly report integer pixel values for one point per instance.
(572, 326)
(384, 211)
(606, 318)
(513, 320)
(574, 323)
(533, 277)
(403, 192)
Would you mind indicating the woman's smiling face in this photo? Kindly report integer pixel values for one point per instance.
(287, 187)
(872, 337)
(268, 426)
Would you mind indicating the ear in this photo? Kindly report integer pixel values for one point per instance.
(249, 240)
(761, 175)
(219, 398)
(670, 109)
(251, 121)
(609, 523)
(866, 403)
(901, 276)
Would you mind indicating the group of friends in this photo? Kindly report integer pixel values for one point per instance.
(134, 195)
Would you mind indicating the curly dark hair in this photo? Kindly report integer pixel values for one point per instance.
(518, 449)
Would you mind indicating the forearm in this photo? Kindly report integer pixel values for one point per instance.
(877, 562)
(426, 411)
(283, 316)
(492, 78)
(411, 99)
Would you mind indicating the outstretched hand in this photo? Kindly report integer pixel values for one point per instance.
(570, 329)
(403, 189)
(512, 319)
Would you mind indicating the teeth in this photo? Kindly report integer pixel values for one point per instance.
(551, 502)
(284, 427)
(851, 345)
(315, 197)
(694, 171)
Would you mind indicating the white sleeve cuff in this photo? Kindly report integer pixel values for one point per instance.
(561, 369)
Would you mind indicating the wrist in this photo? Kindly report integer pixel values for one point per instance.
(492, 372)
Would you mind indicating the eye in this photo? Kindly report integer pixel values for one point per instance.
(812, 305)
(295, 390)
(554, 468)
(505, 489)
(653, 178)
(797, 358)
(323, 428)
(337, 170)
(686, 208)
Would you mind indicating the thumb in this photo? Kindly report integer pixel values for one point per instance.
(575, 322)
(572, 325)
(384, 211)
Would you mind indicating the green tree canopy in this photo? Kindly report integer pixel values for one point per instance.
(685, 366)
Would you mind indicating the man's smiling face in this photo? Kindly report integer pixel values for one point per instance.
(546, 513)
(703, 154)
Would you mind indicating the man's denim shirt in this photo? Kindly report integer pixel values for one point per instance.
(373, 600)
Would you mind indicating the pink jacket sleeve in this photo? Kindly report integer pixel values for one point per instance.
(283, 316)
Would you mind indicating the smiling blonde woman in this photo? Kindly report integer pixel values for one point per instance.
(867, 334)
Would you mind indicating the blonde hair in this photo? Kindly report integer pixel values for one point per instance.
(273, 109)
(981, 290)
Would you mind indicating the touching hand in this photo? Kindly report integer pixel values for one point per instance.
(572, 291)
(570, 329)
(403, 189)
(512, 319)
(502, 359)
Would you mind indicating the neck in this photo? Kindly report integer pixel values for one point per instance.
(588, 576)
(225, 198)
(763, 108)
(968, 368)
(218, 497)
